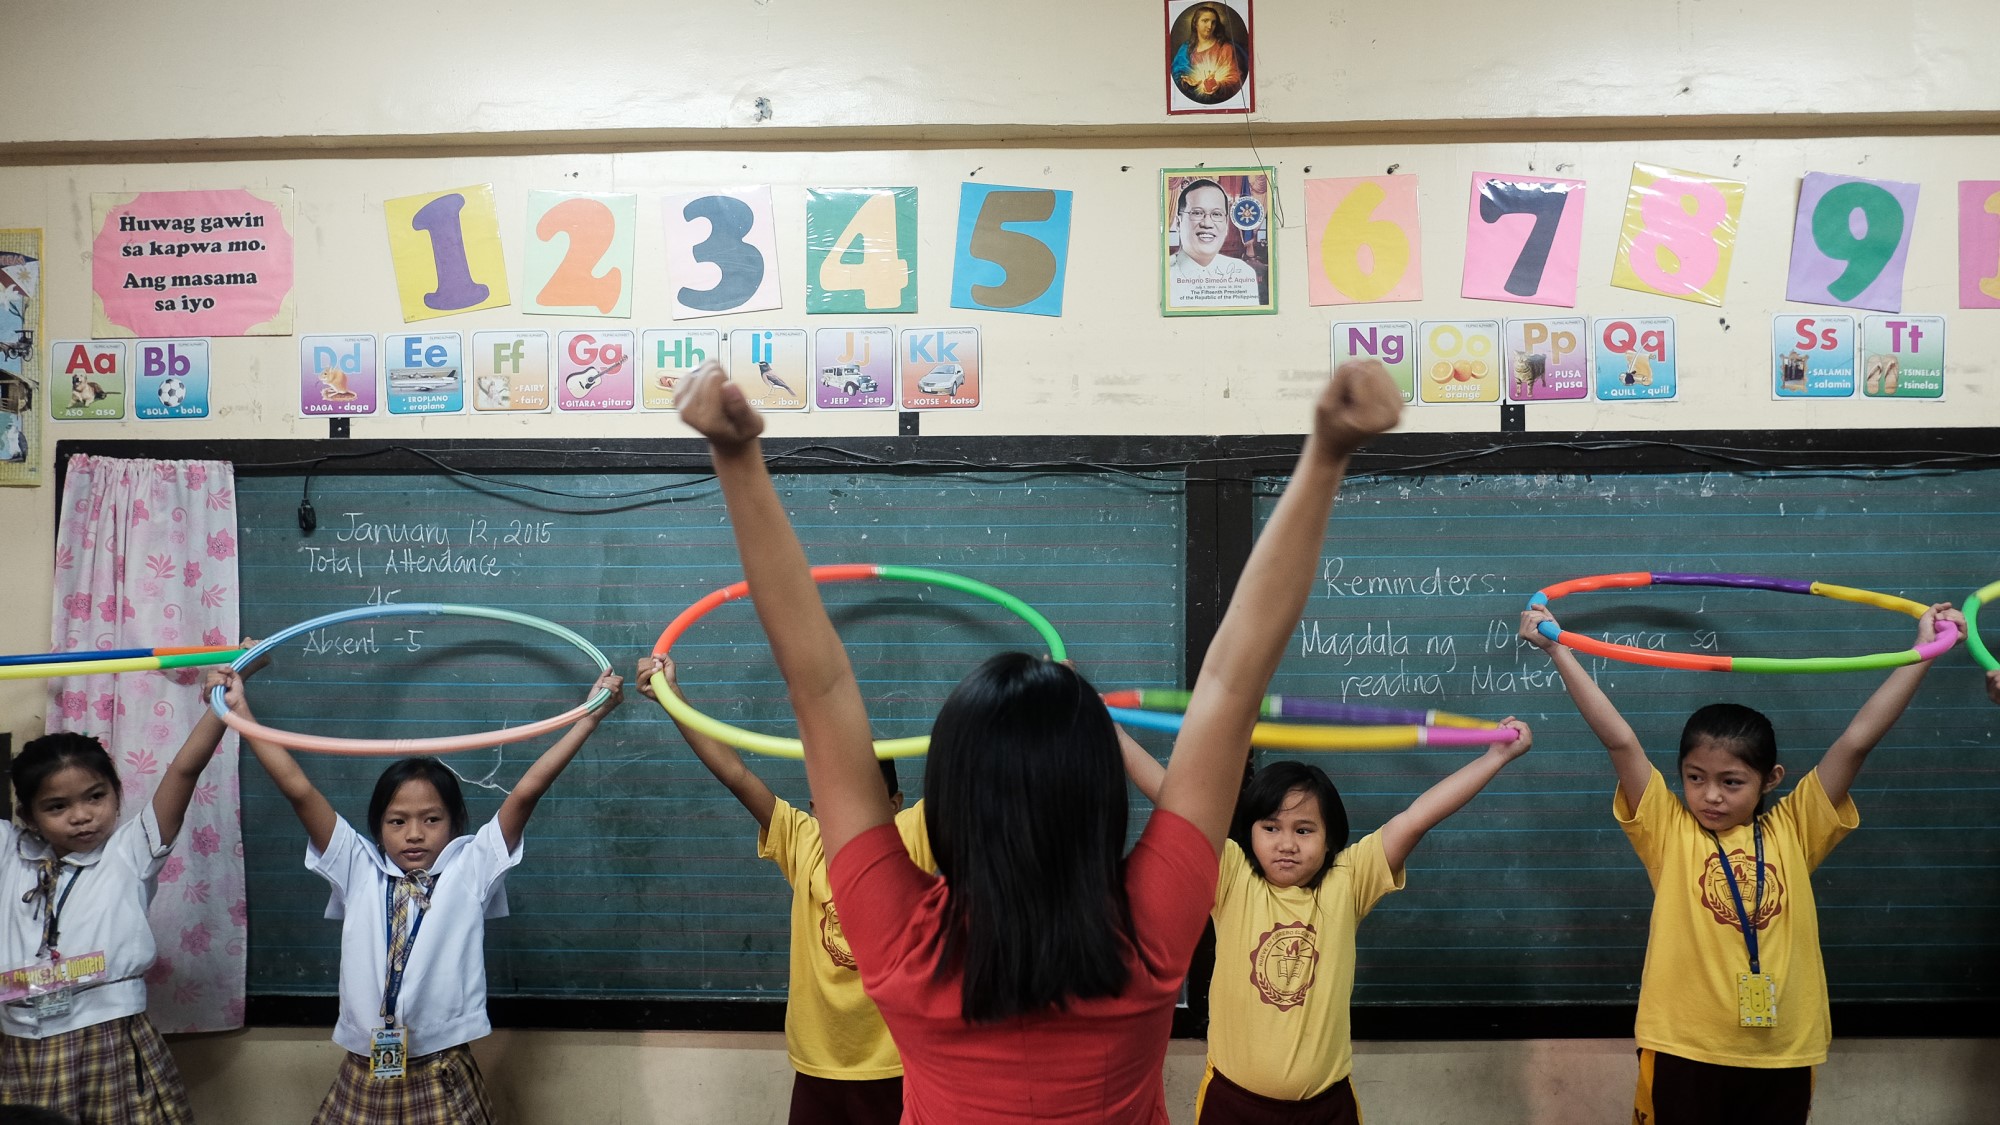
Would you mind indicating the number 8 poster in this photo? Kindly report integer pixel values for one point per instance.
(1679, 234)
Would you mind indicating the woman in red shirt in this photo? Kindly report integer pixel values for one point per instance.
(1033, 978)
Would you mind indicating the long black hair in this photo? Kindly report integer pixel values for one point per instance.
(44, 757)
(416, 769)
(1265, 793)
(1027, 819)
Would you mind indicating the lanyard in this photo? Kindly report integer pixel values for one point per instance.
(1749, 920)
(394, 985)
(53, 931)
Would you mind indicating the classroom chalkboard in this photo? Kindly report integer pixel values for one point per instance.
(640, 877)
(1532, 894)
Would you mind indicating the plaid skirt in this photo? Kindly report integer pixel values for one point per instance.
(441, 1088)
(113, 1073)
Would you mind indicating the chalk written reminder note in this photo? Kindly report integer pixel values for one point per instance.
(1850, 241)
(191, 263)
(1522, 238)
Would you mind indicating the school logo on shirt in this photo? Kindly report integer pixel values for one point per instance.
(1284, 964)
(1720, 903)
(834, 938)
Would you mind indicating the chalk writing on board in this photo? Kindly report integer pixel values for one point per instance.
(1431, 583)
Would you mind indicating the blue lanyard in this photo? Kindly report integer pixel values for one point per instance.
(1749, 920)
(56, 908)
(393, 988)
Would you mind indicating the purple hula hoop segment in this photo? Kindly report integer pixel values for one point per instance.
(1947, 633)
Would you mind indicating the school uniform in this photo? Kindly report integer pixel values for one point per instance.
(441, 999)
(1690, 998)
(848, 1069)
(101, 1061)
(1280, 1038)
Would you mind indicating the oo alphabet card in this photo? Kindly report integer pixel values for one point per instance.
(426, 372)
(594, 370)
(1547, 359)
(1812, 355)
(668, 355)
(1457, 360)
(1635, 358)
(88, 380)
(510, 372)
(940, 369)
(722, 252)
(337, 375)
(1393, 342)
(173, 379)
(854, 369)
(771, 365)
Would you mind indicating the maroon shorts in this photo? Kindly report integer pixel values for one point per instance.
(1678, 1091)
(1225, 1103)
(834, 1101)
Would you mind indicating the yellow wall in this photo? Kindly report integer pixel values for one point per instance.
(355, 103)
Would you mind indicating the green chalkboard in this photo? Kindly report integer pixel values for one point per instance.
(1532, 894)
(641, 876)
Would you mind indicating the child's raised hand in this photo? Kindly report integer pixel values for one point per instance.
(1508, 751)
(615, 684)
(231, 684)
(257, 665)
(716, 408)
(1531, 620)
(648, 665)
(1360, 402)
(1942, 611)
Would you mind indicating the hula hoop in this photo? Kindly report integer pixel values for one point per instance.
(1947, 633)
(1293, 707)
(779, 747)
(403, 747)
(1980, 653)
(1283, 736)
(102, 661)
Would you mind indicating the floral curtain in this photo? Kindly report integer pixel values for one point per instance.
(145, 558)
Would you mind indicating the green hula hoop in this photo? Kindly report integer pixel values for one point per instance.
(1980, 652)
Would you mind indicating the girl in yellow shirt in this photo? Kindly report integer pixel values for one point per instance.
(1732, 1013)
(1288, 900)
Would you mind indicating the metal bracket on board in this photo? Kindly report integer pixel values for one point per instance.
(338, 427)
(906, 424)
(1513, 417)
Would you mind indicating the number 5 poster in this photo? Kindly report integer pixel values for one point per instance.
(1522, 239)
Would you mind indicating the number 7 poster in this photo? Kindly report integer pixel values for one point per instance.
(1522, 239)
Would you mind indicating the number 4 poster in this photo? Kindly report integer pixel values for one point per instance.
(1522, 239)
(861, 250)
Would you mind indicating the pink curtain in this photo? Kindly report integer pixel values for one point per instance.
(146, 557)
